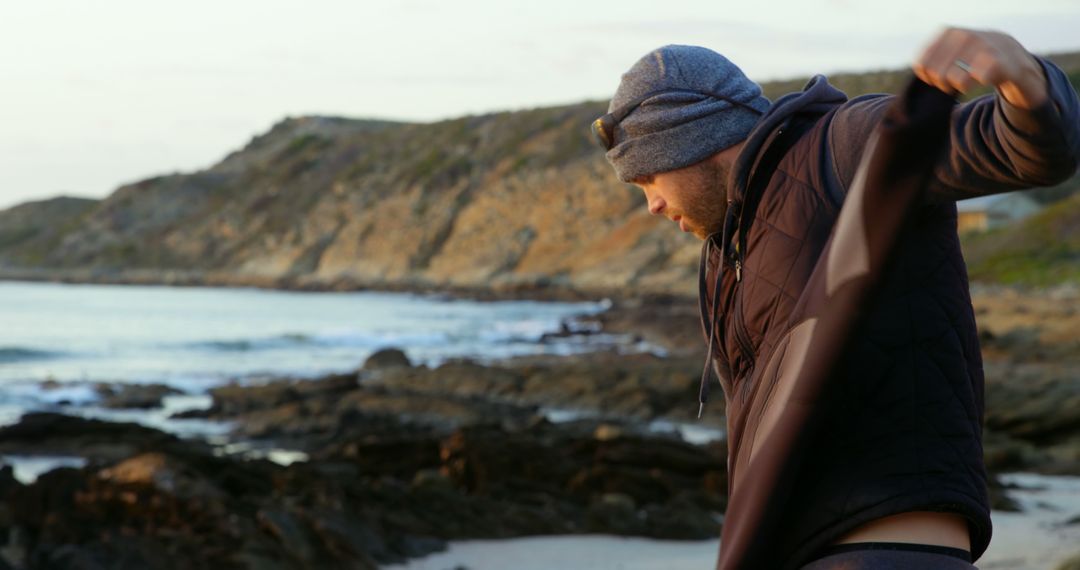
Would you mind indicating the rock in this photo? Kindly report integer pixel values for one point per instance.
(138, 396)
(235, 399)
(379, 486)
(190, 509)
(289, 532)
(162, 472)
(45, 433)
(8, 482)
(387, 358)
(615, 512)
(403, 457)
(431, 478)
(79, 558)
(999, 498)
(607, 432)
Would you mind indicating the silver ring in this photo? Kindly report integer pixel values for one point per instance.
(962, 65)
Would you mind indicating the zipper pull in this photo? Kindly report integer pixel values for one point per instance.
(738, 270)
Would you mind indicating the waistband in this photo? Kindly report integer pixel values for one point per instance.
(894, 546)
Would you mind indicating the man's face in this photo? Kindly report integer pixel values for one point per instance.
(695, 197)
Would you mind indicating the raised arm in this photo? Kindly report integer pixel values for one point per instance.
(1027, 134)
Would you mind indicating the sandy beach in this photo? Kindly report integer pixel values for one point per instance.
(1035, 539)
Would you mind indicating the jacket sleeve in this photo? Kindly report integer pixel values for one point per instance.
(994, 147)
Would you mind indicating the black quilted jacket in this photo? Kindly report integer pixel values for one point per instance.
(904, 423)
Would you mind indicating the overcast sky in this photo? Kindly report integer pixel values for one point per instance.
(96, 94)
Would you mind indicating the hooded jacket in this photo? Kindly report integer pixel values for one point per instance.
(901, 427)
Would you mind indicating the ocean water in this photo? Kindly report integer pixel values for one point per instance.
(59, 340)
(196, 338)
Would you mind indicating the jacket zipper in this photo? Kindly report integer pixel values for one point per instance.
(741, 334)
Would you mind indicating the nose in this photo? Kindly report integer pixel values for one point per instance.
(656, 205)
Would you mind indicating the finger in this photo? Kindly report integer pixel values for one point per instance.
(958, 75)
(985, 69)
(951, 67)
(925, 66)
(940, 59)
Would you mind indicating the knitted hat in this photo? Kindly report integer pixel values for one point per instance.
(682, 104)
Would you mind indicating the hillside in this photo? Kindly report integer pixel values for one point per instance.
(34, 228)
(1042, 250)
(505, 202)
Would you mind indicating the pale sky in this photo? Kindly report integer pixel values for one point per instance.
(97, 94)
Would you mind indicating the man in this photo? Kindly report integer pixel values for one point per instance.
(894, 477)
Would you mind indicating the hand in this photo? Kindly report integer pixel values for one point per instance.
(958, 59)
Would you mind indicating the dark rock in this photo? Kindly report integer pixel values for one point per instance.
(682, 518)
(380, 486)
(351, 539)
(289, 533)
(139, 396)
(76, 558)
(999, 498)
(44, 433)
(400, 457)
(234, 399)
(615, 512)
(387, 358)
(8, 482)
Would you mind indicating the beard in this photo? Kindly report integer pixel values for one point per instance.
(706, 200)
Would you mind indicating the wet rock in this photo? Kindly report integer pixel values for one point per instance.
(190, 509)
(134, 396)
(44, 433)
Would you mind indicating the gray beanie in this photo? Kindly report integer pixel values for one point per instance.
(696, 104)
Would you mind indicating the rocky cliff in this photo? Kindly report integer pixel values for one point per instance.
(502, 201)
(505, 202)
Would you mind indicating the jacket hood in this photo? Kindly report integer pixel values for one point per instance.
(817, 97)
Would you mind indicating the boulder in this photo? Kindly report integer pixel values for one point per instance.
(387, 358)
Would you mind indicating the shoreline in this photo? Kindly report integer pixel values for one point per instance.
(526, 290)
(405, 459)
(523, 291)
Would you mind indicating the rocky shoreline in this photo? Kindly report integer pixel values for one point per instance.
(395, 466)
(393, 460)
